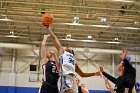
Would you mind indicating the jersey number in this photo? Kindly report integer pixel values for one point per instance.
(54, 70)
(71, 60)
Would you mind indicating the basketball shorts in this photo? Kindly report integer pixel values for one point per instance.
(47, 88)
(67, 82)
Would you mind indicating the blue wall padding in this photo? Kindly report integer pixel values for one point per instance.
(99, 91)
(12, 89)
(26, 90)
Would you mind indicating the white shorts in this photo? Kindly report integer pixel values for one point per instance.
(67, 82)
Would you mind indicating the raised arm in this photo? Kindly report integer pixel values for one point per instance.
(44, 49)
(55, 40)
(80, 72)
(129, 68)
(124, 53)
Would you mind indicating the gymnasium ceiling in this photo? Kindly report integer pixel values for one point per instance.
(113, 24)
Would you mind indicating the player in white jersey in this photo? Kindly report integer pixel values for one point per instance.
(67, 72)
(68, 67)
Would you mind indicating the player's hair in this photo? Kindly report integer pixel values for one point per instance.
(72, 52)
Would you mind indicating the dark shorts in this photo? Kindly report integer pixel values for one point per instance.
(46, 88)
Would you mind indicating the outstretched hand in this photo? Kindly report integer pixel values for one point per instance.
(98, 73)
(101, 69)
(124, 53)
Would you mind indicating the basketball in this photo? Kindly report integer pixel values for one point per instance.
(47, 19)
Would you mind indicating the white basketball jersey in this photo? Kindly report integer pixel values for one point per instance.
(67, 64)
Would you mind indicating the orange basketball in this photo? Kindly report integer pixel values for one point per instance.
(47, 19)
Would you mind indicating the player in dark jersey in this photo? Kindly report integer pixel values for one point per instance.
(126, 81)
(49, 67)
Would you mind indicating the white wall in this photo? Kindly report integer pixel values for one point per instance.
(4, 79)
(20, 80)
(94, 83)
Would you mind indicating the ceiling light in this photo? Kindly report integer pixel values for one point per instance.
(136, 22)
(75, 20)
(68, 35)
(11, 32)
(103, 19)
(116, 39)
(3, 15)
(89, 37)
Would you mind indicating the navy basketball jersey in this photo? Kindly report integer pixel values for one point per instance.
(50, 73)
